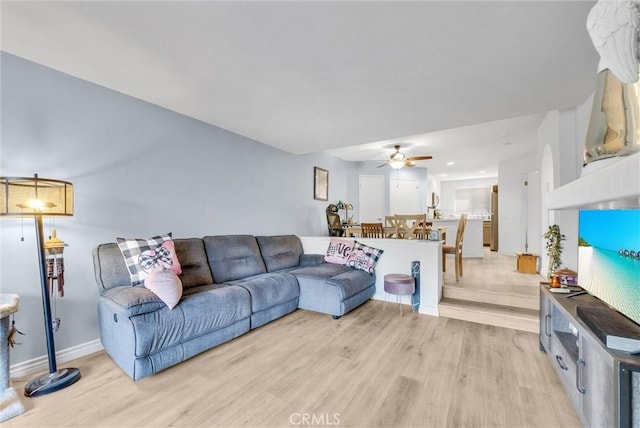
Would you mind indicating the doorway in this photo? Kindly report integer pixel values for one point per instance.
(404, 197)
(371, 198)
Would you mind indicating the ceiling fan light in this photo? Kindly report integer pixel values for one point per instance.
(396, 163)
(397, 157)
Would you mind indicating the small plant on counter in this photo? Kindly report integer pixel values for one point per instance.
(554, 247)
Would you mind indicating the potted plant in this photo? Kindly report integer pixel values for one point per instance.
(554, 247)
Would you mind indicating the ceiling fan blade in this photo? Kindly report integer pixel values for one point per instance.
(409, 163)
(419, 158)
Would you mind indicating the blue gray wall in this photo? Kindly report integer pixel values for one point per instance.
(138, 170)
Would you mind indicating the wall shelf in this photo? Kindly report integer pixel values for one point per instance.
(613, 186)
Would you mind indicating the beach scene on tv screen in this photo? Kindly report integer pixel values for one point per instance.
(609, 258)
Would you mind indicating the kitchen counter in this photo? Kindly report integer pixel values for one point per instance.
(473, 239)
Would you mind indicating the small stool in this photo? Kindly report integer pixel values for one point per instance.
(400, 285)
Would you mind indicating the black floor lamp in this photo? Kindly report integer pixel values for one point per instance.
(41, 197)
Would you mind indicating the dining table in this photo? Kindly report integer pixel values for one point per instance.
(389, 232)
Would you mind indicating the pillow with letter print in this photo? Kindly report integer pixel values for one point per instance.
(339, 250)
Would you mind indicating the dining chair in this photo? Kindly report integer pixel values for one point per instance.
(455, 249)
(410, 226)
(390, 226)
(333, 221)
(372, 230)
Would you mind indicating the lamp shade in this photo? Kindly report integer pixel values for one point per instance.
(25, 196)
(397, 160)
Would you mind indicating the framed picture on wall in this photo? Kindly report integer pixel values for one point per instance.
(320, 184)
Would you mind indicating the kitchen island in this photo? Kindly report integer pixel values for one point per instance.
(473, 239)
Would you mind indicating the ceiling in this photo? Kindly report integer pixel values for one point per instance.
(446, 78)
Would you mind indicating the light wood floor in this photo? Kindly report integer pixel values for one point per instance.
(370, 368)
(494, 272)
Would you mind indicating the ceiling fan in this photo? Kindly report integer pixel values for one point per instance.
(398, 159)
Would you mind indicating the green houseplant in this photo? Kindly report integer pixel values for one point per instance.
(554, 247)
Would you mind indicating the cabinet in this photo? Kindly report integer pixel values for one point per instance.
(545, 321)
(486, 233)
(597, 387)
(599, 381)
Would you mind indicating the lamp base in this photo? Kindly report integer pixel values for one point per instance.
(51, 382)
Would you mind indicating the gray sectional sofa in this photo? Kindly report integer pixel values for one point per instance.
(231, 285)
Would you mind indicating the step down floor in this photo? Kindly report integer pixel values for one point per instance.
(525, 297)
(487, 313)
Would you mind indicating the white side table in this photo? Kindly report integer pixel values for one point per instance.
(10, 404)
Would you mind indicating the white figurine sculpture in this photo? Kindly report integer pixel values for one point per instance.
(613, 27)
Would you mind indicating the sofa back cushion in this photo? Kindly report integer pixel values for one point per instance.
(193, 259)
(111, 271)
(109, 267)
(233, 257)
(280, 252)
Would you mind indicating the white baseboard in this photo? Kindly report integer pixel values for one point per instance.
(41, 364)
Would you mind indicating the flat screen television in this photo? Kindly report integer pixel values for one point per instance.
(609, 258)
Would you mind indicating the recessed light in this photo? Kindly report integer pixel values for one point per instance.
(450, 163)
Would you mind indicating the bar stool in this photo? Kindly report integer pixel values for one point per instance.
(400, 285)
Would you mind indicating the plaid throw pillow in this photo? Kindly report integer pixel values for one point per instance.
(364, 257)
(131, 250)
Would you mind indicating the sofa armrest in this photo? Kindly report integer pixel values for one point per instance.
(133, 300)
(311, 260)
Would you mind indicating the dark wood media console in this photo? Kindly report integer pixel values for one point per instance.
(602, 383)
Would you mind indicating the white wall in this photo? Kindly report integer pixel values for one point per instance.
(513, 203)
(547, 217)
(138, 170)
(561, 137)
(533, 213)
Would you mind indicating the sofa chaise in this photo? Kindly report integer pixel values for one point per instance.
(231, 285)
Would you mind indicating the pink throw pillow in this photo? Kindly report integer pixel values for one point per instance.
(175, 266)
(339, 250)
(364, 257)
(166, 285)
(160, 258)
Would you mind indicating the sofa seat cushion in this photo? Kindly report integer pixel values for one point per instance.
(196, 315)
(269, 290)
(348, 280)
(233, 257)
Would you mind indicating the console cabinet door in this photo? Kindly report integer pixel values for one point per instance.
(566, 369)
(545, 321)
(595, 380)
